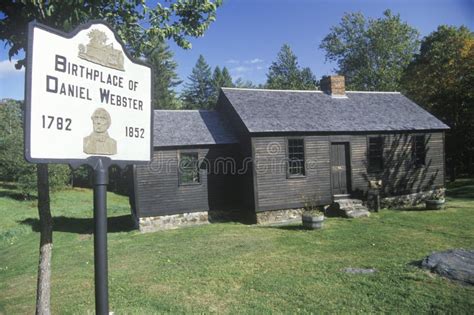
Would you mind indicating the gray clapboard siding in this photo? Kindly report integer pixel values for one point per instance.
(400, 175)
(158, 191)
(274, 190)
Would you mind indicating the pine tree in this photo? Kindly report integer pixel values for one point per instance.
(244, 84)
(217, 80)
(308, 79)
(198, 92)
(285, 73)
(165, 77)
(220, 79)
(226, 78)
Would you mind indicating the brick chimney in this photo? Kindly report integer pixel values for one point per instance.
(334, 85)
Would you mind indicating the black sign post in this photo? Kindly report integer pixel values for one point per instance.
(101, 179)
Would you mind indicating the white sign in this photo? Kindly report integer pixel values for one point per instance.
(85, 97)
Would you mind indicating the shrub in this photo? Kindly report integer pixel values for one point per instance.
(13, 166)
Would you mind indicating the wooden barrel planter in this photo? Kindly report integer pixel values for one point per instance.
(312, 222)
(434, 204)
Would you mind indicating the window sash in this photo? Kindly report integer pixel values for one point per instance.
(188, 168)
(375, 154)
(296, 157)
(419, 150)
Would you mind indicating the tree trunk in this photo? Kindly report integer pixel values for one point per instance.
(453, 170)
(43, 290)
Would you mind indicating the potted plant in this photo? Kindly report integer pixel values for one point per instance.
(436, 200)
(312, 216)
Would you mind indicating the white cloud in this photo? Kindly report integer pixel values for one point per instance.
(240, 69)
(239, 72)
(233, 61)
(255, 60)
(249, 70)
(7, 68)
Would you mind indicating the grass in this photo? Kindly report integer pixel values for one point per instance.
(235, 268)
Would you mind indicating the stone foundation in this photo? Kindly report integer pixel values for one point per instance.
(278, 216)
(409, 200)
(174, 221)
(230, 215)
(166, 222)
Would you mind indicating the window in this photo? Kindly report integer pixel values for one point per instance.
(375, 154)
(296, 157)
(188, 168)
(419, 150)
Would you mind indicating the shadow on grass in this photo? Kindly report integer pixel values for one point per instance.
(460, 182)
(15, 196)
(5, 185)
(11, 191)
(461, 192)
(293, 227)
(123, 223)
(417, 209)
(415, 263)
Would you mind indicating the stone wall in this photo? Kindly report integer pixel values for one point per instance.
(278, 216)
(231, 215)
(410, 200)
(167, 222)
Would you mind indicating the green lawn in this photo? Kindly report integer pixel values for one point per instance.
(236, 268)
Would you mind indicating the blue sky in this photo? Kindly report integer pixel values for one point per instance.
(248, 34)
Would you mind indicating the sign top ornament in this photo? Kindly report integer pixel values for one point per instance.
(99, 52)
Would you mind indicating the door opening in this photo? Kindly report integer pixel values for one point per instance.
(340, 168)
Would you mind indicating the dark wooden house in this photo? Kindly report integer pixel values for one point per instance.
(286, 146)
(190, 173)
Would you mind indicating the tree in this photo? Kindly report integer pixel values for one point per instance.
(165, 77)
(226, 78)
(13, 166)
(244, 84)
(11, 141)
(441, 79)
(220, 79)
(217, 78)
(217, 81)
(139, 26)
(308, 79)
(43, 291)
(372, 54)
(285, 73)
(199, 91)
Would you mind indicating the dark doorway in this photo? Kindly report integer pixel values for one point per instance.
(340, 168)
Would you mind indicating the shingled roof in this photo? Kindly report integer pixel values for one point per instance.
(190, 127)
(315, 111)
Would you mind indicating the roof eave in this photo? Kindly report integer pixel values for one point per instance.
(257, 133)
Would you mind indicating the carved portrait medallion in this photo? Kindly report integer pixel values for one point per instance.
(99, 141)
